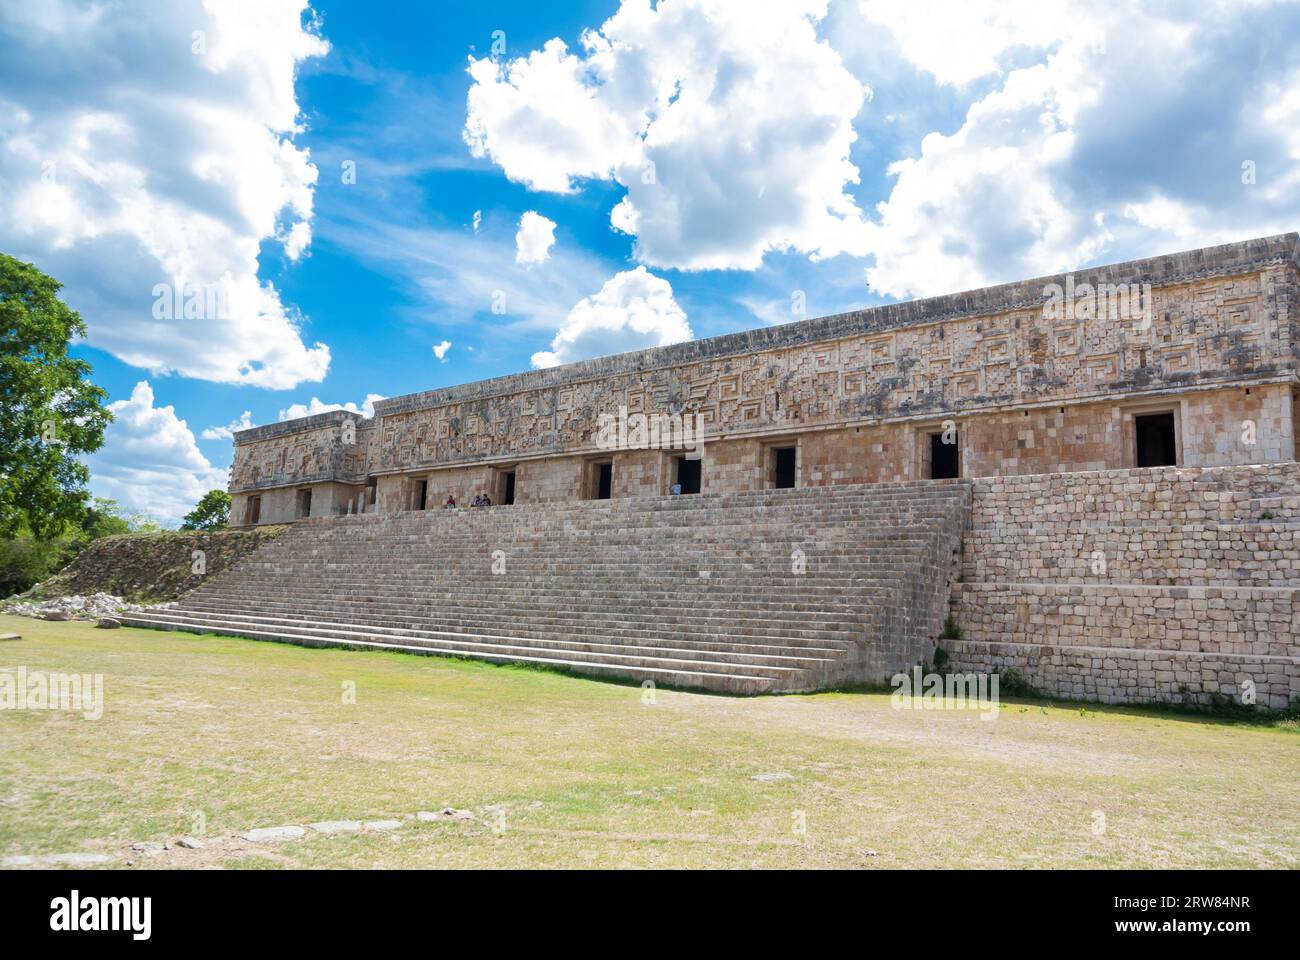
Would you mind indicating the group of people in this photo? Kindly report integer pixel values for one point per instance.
(480, 500)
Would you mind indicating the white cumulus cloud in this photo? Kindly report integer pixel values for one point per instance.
(633, 310)
(1107, 131)
(440, 350)
(958, 41)
(150, 462)
(147, 151)
(729, 125)
(315, 406)
(534, 239)
(245, 422)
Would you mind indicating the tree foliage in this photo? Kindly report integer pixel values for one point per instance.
(50, 412)
(26, 560)
(212, 512)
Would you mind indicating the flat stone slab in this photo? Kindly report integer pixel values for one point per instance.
(383, 824)
(189, 843)
(11, 636)
(446, 813)
(270, 834)
(769, 777)
(336, 826)
(77, 859)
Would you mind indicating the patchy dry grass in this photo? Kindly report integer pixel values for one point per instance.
(214, 736)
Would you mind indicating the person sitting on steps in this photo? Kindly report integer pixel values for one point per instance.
(451, 503)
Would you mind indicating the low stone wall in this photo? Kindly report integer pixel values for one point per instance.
(1058, 503)
(1137, 676)
(1225, 554)
(1170, 584)
(153, 567)
(1229, 621)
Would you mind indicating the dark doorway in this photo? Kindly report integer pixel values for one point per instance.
(1156, 446)
(508, 488)
(688, 474)
(783, 467)
(254, 510)
(604, 480)
(421, 494)
(945, 462)
(304, 503)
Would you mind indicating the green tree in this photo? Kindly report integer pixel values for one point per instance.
(50, 412)
(104, 519)
(212, 512)
(25, 561)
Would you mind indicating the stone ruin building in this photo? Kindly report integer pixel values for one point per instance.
(1089, 478)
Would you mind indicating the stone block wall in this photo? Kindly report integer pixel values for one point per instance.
(398, 492)
(639, 473)
(735, 466)
(1246, 425)
(560, 478)
(1035, 387)
(1171, 584)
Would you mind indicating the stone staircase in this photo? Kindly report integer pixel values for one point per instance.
(765, 591)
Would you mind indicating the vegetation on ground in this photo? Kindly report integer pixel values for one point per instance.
(218, 735)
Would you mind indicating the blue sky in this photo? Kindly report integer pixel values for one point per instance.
(702, 166)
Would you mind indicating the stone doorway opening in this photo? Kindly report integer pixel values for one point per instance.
(689, 474)
(600, 480)
(303, 504)
(944, 456)
(1157, 440)
(783, 467)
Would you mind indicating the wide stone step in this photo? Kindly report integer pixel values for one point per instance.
(627, 610)
(748, 660)
(664, 672)
(705, 581)
(790, 633)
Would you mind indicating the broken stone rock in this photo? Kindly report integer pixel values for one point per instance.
(336, 826)
(77, 859)
(268, 834)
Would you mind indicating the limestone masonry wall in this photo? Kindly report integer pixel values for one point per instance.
(1033, 389)
(1137, 585)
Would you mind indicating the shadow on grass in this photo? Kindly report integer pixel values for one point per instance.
(543, 668)
(1226, 713)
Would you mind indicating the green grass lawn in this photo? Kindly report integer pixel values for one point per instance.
(212, 736)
